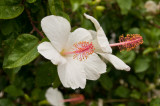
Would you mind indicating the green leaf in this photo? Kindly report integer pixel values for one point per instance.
(122, 91)
(106, 82)
(56, 8)
(127, 56)
(10, 9)
(37, 94)
(125, 6)
(6, 102)
(141, 64)
(148, 50)
(13, 91)
(56, 82)
(47, 72)
(12, 73)
(133, 80)
(31, 1)
(155, 102)
(24, 50)
(77, 3)
(135, 94)
(3, 82)
(134, 30)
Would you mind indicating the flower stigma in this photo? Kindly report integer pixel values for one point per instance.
(81, 50)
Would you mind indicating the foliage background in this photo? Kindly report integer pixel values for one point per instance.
(25, 75)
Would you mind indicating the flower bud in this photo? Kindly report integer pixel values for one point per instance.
(151, 6)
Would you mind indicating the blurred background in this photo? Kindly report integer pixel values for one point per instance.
(24, 81)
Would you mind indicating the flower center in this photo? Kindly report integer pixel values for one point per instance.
(81, 50)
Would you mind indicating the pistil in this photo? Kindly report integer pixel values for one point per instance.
(129, 42)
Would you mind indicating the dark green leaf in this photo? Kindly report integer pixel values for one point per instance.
(23, 51)
(13, 91)
(10, 9)
(47, 72)
(6, 102)
(122, 91)
(106, 82)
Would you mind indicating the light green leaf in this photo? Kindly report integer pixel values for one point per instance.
(155, 102)
(141, 64)
(135, 94)
(10, 9)
(125, 6)
(24, 50)
(13, 91)
(148, 50)
(31, 1)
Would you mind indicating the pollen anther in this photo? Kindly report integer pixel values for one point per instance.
(130, 41)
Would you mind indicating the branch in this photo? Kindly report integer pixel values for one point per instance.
(32, 23)
(157, 26)
(126, 100)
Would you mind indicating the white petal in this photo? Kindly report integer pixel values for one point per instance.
(94, 67)
(78, 35)
(118, 63)
(57, 29)
(54, 97)
(72, 74)
(103, 41)
(49, 52)
(95, 22)
(93, 33)
(101, 37)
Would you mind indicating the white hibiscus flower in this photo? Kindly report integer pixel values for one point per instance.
(73, 52)
(102, 46)
(54, 97)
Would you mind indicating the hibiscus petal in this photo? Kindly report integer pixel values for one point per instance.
(94, 34)
(94, 66)
(78, 35)
(95, 22)
(72, 74)
(54, 97)
(49, 52)
(57, 29)
(118, 63)
(101, 37)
